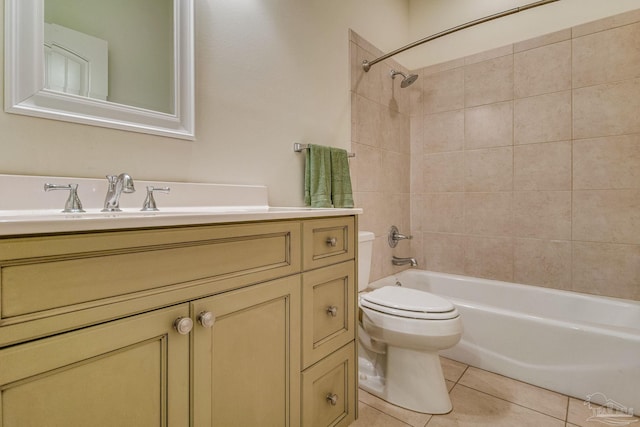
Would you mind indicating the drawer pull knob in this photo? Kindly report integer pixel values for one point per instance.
(332, 241)
(332, 311)
(183, 325)
(206, 319)
(332, 398)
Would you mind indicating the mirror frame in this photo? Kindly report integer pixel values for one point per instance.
(24, 78)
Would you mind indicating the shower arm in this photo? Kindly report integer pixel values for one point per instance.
(366, 65)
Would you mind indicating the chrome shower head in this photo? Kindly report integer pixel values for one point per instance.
(407, 80)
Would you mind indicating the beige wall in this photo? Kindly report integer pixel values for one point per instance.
(268, 74)
(528, 158)
(430, 17)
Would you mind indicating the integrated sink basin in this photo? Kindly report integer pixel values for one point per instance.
(33, 211)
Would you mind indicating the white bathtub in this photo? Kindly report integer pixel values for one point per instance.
(572, 343)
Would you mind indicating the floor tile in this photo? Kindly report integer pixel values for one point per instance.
(532, 397)
(579, 414)
(452, 370)
(414, 419)
(472, 408)
(371, 417)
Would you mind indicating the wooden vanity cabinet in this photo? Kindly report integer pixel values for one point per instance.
(195, 326)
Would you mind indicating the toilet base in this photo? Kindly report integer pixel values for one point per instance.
(414, 380)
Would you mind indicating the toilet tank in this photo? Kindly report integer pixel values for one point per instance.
(365, 251)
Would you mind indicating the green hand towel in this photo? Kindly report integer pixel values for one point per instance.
(341, 193)
(317, 177)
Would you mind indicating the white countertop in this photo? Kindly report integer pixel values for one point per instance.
(26, 209)
(53, 221)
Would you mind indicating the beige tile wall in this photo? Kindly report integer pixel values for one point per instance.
(381, 141)
(521, 163)
(531, 161)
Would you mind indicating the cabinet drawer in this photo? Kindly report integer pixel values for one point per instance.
(328, 241)
(43, 273)
(328, 390)
(328, 310)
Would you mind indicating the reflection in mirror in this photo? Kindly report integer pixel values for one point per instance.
(121, 64)
(75, 62)
(139, 34)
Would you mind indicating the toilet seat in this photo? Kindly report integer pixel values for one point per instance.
(408, 303)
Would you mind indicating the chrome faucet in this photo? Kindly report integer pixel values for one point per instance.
(395, 236)
(122, 183)
(404, 261)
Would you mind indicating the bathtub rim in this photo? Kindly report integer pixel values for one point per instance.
(623, 331)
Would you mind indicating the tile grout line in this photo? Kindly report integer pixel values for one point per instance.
(455, 383)
(514, 403)
(571, 183)
(384, 412)
(513, 165)
(465, 238)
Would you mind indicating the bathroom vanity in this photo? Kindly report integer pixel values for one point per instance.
(246, 322)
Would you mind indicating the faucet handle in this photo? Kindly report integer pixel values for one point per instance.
(73, 203)
(395, 236)
(150, 202)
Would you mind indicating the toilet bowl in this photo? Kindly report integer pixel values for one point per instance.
(400, 333)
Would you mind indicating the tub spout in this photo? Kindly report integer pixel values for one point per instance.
(404, 261)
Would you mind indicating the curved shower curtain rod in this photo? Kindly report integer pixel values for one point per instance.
(366, 65)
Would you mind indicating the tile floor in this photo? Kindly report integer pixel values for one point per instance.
(482, 398)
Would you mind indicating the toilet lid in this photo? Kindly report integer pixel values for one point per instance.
(407, 302)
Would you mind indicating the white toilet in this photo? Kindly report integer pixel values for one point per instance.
(400, 333)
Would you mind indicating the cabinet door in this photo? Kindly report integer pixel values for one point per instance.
(247, 364)
(129, 372)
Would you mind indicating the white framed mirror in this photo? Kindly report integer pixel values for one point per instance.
(32, 89)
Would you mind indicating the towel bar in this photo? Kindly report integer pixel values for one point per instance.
(298, 148)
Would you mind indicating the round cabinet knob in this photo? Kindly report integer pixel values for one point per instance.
(332, 398)
(183, 325)
(332, 241)
(332, 311)
(206, 319)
